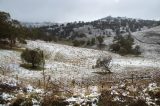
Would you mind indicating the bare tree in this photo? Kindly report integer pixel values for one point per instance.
(104, 63)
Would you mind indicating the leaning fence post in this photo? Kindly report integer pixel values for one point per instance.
(39, 82)
(16, 77)
(132, 77)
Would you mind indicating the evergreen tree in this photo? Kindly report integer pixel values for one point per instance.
(100, 39)
(34, 57)
(9, 29)
(124, 45)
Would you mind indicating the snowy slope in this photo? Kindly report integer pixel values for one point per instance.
(149, 41)
(74, 63)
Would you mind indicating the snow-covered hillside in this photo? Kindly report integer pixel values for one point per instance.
(149, 41)
(66, 64)
(69, 62)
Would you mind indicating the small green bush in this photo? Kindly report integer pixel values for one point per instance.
(33, 57)
(77, 43)
(93, 41)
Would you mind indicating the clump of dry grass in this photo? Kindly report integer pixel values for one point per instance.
(59, 57)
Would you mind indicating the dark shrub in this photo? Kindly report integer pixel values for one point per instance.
(34, 57)
(139, 103)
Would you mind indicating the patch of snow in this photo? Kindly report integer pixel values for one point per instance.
(152, 86)
(6, 96)
(114, 92)
(29, 88)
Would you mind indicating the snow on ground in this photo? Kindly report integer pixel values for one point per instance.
(76, 62)
(80, 96)
(136, 62)
(80, 60)
(10, 63)
(148, 40)
(12, 89)
(68, 51)
(150, 36)
(73, 64)
(123, 91)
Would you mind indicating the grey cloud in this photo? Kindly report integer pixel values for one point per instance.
(79, 10)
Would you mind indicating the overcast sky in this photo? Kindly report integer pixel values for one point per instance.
(79, 10)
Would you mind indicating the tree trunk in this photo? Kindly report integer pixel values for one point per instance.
(33, 65)
(11, 44)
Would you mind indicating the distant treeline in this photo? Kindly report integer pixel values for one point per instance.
(12, 31)
(123, 24)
